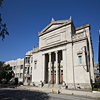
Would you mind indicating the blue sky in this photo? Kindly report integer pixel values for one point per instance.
(24, 18)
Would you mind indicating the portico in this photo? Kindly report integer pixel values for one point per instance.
(53, 63)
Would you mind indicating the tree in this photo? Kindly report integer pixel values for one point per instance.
(3, 29)
(5, 72)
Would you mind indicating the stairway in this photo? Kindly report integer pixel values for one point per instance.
(52, 86)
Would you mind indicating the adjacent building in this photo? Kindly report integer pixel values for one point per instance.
(17, 67)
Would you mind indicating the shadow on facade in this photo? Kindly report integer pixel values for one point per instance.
(22, 95)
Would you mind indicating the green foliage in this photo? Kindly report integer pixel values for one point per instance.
(1, 2)
(5, 72)
(96, 85)
(3, 29)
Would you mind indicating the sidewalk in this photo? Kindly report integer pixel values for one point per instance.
(71, 92)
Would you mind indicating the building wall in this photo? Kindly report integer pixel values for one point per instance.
(37, 72)
(16, 67)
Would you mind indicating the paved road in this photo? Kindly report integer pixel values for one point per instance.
(13, 94)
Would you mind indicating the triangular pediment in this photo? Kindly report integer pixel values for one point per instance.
(54, 25)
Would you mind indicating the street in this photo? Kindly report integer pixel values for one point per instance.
(14, 94)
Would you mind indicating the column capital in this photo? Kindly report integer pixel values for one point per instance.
(63, 49)
(49, 53)
(43, 54)
(56, 51)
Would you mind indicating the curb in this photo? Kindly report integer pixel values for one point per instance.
(69, 92)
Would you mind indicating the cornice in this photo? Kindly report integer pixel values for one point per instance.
(60, 44)
(83, 26)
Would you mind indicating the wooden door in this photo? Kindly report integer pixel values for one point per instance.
(55, 78)
(51, 79)
(62, 78)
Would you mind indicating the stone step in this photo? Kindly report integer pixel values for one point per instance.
(52, 86)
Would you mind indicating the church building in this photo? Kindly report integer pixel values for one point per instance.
(64, 54)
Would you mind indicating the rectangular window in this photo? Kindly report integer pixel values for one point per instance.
(28, 59)
(14, 67)
(28, 71)
(31, 69)
(18, 74)
(25, 70)
(21, 75)
(35, 64)
(21, 67)
(25, 79)
(31, 59)
(80, 59)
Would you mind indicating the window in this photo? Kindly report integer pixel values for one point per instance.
(80, 59)
(25, 70)
(25, 79)
(27, 59)
(14, 67)
(28, 71)
(20, 75)
(31, 69)
(16, 74)
(31, 59)
(35, 64)
(21, 67)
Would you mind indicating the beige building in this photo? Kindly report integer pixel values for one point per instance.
(64, 53)
(17, 67)
(28, 68)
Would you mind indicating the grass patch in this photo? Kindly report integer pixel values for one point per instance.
(96, 89)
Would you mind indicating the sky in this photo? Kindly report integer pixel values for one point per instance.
(24, 18)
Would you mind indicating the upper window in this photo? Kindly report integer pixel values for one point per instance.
(21, 67)
(25, 70)
(80, 59)
(35, 64)
(21, 75)
(31, 69)
(27, 59)
(31, 59)
(28, 71)
(14, 67)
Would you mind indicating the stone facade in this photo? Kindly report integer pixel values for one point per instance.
(64, 53)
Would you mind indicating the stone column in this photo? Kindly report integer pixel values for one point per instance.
(50, 67)
(64, 65)
(43, 68)
(56, 67)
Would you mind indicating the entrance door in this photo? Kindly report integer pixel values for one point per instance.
(55, 78)
(62, 78)
(51, 79)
